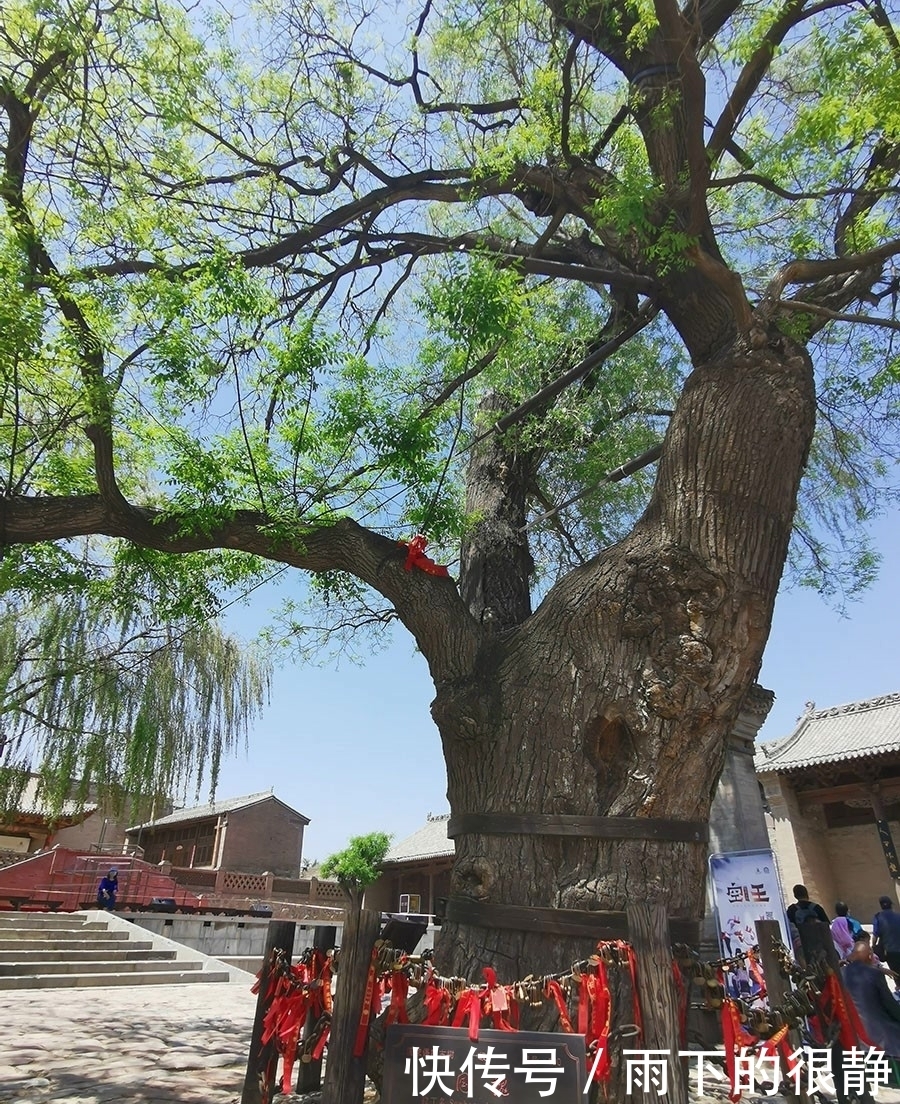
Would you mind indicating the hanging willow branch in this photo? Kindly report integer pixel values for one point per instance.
(125, 706)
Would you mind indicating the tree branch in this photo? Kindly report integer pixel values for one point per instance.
(803, 307)
(645, 315)
(97, 395)
(805, 272)
(749, 79)
(429, 606)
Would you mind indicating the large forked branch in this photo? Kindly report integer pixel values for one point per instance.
(578, 192)
(429, 606)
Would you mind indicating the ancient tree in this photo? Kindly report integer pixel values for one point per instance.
(556, 285)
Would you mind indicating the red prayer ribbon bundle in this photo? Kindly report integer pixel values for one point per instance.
(415, 557)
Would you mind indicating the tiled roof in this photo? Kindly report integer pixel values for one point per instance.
(32, 804)
(429, 842)
(216, 808)
(856, 731)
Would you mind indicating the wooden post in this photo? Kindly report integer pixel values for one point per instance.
(345, 1076)
(309, 1074)
(280, 935)
(768, 933)
(648, 932)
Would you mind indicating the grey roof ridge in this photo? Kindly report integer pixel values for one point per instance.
(776, 749)
(767, 755)
(234, 804)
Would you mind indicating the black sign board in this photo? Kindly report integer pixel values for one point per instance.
(887, 846)
(441, 1065)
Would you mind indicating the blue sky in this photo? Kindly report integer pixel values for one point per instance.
(354, 748)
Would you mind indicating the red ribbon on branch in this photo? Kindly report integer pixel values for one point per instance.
(415, 557)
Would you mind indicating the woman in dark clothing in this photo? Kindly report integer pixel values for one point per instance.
(878, 1010)
(107, 890)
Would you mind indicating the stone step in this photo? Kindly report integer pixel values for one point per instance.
(128, 952)
(47, 921)
(59, 946)
(137, 965)
(68, 981)
(98, 935)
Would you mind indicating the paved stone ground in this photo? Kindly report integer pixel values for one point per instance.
(150, 1044)
(153, 1044)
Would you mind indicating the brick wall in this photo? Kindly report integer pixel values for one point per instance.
(94, 831)
(833, 863)
(860, 873)
(265, 836)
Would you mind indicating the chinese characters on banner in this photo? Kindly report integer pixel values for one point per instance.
(745, 889)
(441, 1065)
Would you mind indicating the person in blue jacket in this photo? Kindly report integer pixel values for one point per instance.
(107, 890)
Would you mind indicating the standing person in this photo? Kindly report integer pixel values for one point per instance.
(844, 929)
(886, 934)
(803, 909)
(107, 890)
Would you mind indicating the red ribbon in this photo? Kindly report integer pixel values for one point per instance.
(469, 1007)
(734, 1036)
(553, 990)
(501, 1001)
(601, 1020)
(595, 1018)
(437, 1004)
(627, 951)
(362, 1032)
(399, 989)
(730, 1031)
(415, 557)
(834, 1005)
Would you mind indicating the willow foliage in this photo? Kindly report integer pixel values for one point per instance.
(118, 703)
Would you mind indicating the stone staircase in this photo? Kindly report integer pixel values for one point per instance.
(41, 951)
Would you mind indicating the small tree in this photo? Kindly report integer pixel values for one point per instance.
(358, 865)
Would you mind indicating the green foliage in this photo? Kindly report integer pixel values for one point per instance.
(114, 680)
(359, 864)
(194, 177)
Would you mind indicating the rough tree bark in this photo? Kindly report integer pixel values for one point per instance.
(615, 698)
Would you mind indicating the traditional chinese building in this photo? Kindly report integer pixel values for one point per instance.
(252, 835)
(31, 825)
(832, 789)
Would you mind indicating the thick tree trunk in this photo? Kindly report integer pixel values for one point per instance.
(616, 697)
